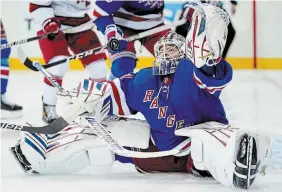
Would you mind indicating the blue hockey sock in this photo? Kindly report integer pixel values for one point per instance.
(4, 75)
(123, 66)
(5, 54)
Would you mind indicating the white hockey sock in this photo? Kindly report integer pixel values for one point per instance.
(49, 95)
(97, 70)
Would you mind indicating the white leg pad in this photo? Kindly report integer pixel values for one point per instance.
(215, 150)
(69, 152)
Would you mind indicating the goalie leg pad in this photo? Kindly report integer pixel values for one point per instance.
(69, 151)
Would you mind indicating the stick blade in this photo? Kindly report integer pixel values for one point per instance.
(52, 128)
(25, 60)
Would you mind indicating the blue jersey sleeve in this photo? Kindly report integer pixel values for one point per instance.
(213, 79)
(122, 96)
(103, 13)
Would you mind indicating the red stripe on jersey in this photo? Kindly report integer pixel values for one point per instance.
(96, 14)
(117, 98)
(197, 81)
(4, 72)
(213, 90)
(33, 7)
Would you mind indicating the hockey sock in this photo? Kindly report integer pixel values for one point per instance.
(4, 74)
(49, 91)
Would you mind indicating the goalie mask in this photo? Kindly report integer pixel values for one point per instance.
(207, 36)
(168, 52)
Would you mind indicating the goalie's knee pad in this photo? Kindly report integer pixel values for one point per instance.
(69, 151)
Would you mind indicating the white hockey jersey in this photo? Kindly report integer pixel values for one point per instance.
(70, 13)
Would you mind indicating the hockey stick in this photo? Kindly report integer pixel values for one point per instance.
(29, 64)
(118, 149)
(52, 128)
(103, 134)
(68, 30)
(71, 113)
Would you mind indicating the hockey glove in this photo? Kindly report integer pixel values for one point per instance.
(51, 26)
(116, 42)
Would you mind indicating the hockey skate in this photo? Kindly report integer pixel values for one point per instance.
(9, 110)
(246, 165)
(49, 113)
(20, 158)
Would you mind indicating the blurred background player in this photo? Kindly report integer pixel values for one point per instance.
(8, 110)
(120, 19)
(183, 29)
(52, 16)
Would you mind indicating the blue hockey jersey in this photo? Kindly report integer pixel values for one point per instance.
(136, 14)
(187, 97)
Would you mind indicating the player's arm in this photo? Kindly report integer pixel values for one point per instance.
(213, 79)
(43, 13)
(103, 14)
(41, 10)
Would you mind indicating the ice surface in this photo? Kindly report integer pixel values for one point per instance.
(253, 100)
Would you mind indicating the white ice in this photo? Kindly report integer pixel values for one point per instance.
(253, 100)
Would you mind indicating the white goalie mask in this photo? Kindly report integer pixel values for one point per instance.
(207, 36)
(168, 52)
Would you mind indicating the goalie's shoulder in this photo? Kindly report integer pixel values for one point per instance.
(144, 76)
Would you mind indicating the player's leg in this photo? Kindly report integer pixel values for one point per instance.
(53, 50)
(233, 157)
(8, 109)
(124, 62)
(95, 64)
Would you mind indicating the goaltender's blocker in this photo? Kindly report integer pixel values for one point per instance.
(179, 98)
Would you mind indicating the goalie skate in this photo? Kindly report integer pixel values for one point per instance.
(20, 158)
(246, 165)
(49, 113)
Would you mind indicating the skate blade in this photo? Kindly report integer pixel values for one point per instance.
(27, 171)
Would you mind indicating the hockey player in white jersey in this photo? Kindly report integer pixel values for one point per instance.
(232, 156)
(53, 16)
